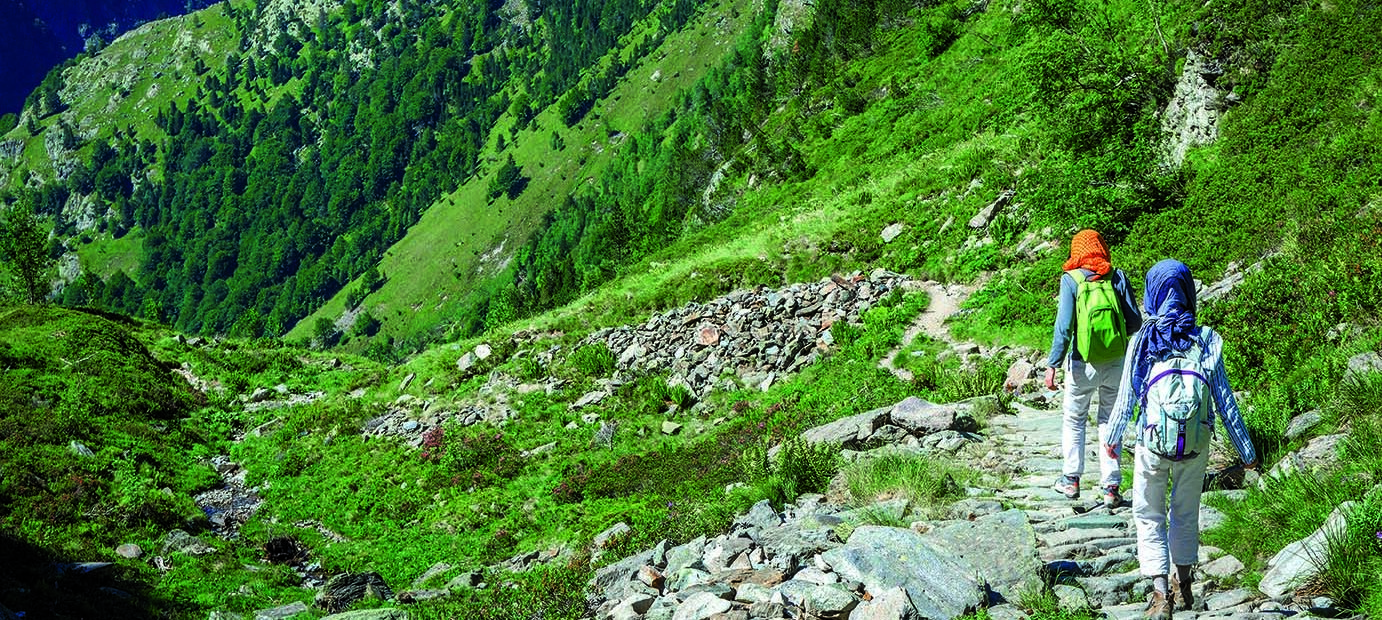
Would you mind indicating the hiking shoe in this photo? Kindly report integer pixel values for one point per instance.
(1182, 598)
(1159, 607)
(1069, 486)
(1112, 498)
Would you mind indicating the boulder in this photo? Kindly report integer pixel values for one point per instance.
(1363, 364)
(829, 601)
(1070, 597)
(129, 551)
(701, 606)
(761, 516)
(923, 418)
(891, 232)
(708, 336)
(465, 581)
(939, 585)
(1301, 424)
(632, 607)
(893, 604)
(850, 432)
(179, 541)
(686, 556)
(986, 214)
(1223, 568)
(1299, 561)
(1019, 376)
(1003, 548)
(344, 590)
(612, 582)
(670, 428)
(1321, 453)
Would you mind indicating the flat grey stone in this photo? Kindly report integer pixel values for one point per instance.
(1070, 597)
(1226, 600)
(1001, 546)
(1072, 537)
(752, 593)
(1007, 612)
(369, 614)
(1096, 522)
(891, 604)
(939, 585)
(850, 432)
(1223, 568)
(279, 613)
(701, 606)
(1109, 544)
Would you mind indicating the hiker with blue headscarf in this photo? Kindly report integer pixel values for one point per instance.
(1175, 377)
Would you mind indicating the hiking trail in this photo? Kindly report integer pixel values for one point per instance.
(946, 300)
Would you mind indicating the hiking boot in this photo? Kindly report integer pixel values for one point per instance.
(1069, 486)
(1182, 596)
(1112, 498)
(1158, 607)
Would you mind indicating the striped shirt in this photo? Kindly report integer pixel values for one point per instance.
(1212, 346)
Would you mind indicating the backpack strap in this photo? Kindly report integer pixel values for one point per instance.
(1078, 275)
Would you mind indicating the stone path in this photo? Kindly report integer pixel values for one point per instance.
(1087, 545)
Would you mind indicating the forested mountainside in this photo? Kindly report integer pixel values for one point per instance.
(37, 35)
(276, 151)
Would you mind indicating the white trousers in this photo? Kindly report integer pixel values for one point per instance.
(1082, 382)
(1161, 528)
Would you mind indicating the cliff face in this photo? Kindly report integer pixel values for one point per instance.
(36, 35)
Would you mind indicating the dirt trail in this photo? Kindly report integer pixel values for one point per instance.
(946, 300)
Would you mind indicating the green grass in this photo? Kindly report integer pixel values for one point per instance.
(106, 255)
(929, 484)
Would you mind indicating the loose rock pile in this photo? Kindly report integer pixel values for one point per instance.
(757, 335)
(754, 334)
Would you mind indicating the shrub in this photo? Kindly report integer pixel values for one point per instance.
(592, 360)
(798, 467)
(477, 456)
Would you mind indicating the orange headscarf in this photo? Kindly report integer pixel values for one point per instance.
(1087, 250)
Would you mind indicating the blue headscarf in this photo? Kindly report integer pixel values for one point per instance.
(1169, 299)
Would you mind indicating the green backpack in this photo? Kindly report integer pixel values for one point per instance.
(1101, 333)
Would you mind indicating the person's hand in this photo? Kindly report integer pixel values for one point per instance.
(1111, 450)
(1051, 378)
(1250, 466)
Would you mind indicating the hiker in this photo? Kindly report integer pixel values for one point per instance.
(1175, 375)
(1097, 312)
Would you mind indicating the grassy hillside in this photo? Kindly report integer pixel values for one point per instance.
(879, 115)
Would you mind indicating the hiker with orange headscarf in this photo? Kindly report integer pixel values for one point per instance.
(1097, 313)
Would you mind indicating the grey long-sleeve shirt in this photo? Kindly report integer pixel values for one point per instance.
(1063, 340)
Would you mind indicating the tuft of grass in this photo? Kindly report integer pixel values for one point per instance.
(1044, 606)
(590, 361)
(929, 484)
